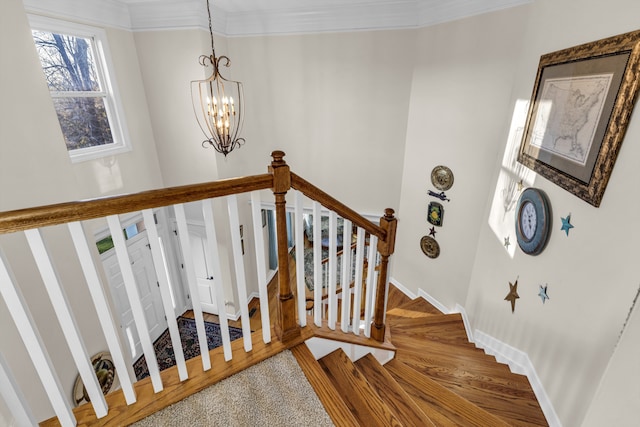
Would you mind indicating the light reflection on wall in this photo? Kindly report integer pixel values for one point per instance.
(107, 173)
(514, 177)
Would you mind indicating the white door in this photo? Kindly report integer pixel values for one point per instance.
(148, 289)
(204, 273)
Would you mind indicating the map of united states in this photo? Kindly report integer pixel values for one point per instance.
(568, 114)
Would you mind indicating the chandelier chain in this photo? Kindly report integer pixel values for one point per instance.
(213, 49)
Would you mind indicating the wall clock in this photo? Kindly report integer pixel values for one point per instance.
(533, 218)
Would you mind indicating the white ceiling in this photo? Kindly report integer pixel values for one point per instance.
(260, 17)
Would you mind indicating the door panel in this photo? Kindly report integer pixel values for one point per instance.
(204, 273)
(147, 285)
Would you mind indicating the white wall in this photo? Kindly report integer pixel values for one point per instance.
(459, 100)
(592, 274)
(335, 103)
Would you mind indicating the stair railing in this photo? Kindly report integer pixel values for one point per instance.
(32, 222)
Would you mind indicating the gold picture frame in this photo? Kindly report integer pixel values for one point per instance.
(579, 111)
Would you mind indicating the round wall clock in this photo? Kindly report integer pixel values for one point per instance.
(533, 221)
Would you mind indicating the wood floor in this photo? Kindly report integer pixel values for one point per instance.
(438, 378)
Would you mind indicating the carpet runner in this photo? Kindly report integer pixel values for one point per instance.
(190, 345)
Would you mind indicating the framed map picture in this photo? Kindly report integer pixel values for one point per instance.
(581, 104)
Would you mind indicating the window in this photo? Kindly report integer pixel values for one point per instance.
(75, 61)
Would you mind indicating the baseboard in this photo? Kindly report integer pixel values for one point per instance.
(402, 288)
(520, 363)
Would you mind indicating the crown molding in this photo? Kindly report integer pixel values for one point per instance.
(107, 13)
(145, 15)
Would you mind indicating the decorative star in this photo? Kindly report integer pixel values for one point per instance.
(512, 295)
(432, 231)
(543, 293)
(520, 185)
(566, 225)
(506, 242)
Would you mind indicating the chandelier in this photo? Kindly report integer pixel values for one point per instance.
(218, 103)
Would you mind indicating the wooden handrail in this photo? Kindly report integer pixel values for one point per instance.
(42, 216)
(335, 205)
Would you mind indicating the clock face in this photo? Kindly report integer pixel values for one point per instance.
(533, 218)
(528, 220)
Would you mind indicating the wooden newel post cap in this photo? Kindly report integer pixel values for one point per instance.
(388, 214)
(278, 157)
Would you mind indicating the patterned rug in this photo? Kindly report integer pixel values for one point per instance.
(190, 344)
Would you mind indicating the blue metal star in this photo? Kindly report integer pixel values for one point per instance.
(543, 293)
(432, 231)
(566, 225)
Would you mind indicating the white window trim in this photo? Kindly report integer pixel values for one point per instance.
(113, 106)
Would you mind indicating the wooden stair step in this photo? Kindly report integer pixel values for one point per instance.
(444, 407)
(394, 396)
(452, 354)
(484, 367)
(420, 344)
(337, 409)
(365, 404)
(509, 401)
(418, 306)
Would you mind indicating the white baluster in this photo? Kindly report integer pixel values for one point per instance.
(300, 274)
(214, 261)
(165, 292)
(332, 270)
(241, 281)
(35, 347)
(190, 271)
(317, 265)
(102, 309)
(345, 280)
(134, 300)
(371, 285)
(261, 265)
(357, 295)
(67, 321)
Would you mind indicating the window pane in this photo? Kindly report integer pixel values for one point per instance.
(67, 62)
(83, 121)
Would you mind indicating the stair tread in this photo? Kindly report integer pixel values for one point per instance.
(357, 393)
(419, 306)
(455, 354)
(428, 359)
(507, 397)
(334, 405)
(454, 409)
(394, 396)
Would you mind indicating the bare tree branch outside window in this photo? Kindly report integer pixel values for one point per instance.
(70, 70)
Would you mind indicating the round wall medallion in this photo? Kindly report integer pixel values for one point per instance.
(442, 178)
(430, 246)
(106, 373)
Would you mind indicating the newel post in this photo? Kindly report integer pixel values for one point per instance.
(285, 323)
(385, 247)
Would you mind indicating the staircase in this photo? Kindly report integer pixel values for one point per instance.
(438, 378)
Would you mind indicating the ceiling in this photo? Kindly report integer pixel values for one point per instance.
(261, 17)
